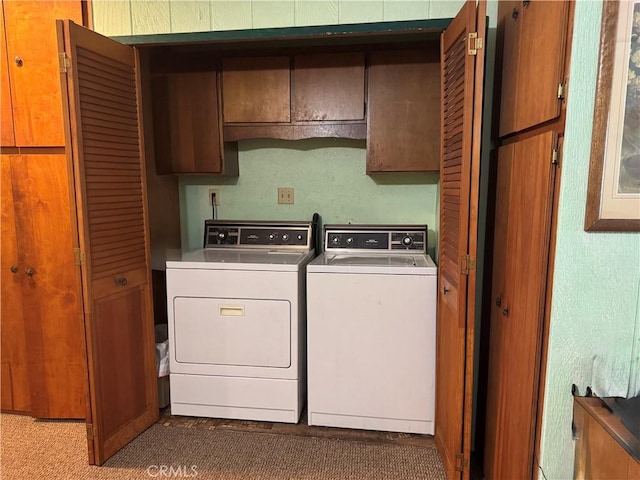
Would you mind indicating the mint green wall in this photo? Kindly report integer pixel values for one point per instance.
(594, 314)
(328, 176)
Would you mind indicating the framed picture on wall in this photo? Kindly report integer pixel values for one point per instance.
(613, 192)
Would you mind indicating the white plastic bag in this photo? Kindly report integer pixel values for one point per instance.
(162, 358)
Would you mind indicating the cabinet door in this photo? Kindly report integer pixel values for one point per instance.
(403, 126)
(256, 89)
(186, 124)
(14, 390)
(7, 138)
(328, 86)
(533, 36)
(461, 118)
(50, 286)
(523, 216)
(110, 194)
(34, 69)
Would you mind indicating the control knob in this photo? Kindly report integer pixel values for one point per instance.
(272, 236)
(222, 235)
(300, 237)
(285, 237)
(349, 240)
(407, 241)
(335, 240)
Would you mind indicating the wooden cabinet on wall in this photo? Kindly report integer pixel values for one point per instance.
(43, 353)
(188, 127)
(403, 119)
(534, 36)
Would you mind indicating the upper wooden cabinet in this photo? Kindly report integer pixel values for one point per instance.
(328, 86)
(256, 89)
(33, 73)
(534, 36)
(7, 138)
(403, 119)
(187, 125)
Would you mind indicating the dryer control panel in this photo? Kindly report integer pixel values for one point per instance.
(376, 238)
(218, 233)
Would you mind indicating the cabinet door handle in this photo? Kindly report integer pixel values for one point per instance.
(505, 311)
(446, 290)
(515, 14)
(14, 269)
(18, 60)
(120, 281)
(525, 3)
(498, 301)
(29, 272)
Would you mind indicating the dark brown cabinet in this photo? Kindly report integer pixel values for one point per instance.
(256, 89)
(328, 87)
(403, 120)
(534, 37)
(188, 127)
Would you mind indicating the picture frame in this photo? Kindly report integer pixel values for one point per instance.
(613, 191)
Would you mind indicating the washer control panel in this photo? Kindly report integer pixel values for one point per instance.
(382, 238)
(219, 233)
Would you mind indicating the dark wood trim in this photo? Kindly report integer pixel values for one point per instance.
(321, 33)
(593, 221)
(357, 131)
(32, 150)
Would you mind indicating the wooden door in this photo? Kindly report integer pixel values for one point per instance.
(256, 89)
(105, 146)
(508, 41)
(403, 130)
(521, 252)
(14, 391)
(33, 68)
(186, 123)
(543, 37)
(7, 138)
(328, 86)
(461, 116)
(50, 286)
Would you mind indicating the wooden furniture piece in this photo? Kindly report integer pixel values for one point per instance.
(43, 354)
(533, 68)
(604, 446)
(403, 124)
(532, 55)
(188, 127)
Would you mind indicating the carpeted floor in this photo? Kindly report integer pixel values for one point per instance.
(57, 450)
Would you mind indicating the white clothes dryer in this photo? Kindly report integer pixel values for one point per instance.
(371, 330)
(237, 322)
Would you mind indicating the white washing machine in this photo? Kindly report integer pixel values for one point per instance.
(371, 330)
(237, 322)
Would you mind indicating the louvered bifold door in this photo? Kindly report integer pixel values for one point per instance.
(104, 141)
(461, 110)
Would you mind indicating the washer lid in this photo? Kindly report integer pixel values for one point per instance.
(219, 259)
(391, 264)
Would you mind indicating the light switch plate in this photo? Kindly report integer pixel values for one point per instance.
(285, 195)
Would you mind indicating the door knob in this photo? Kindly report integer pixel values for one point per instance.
(14, 269)
(29, 272)
(515, 14)
(505, 311)
(525, 3)
(120, 281)
(498, 301)
(446, 290)
(18, 60)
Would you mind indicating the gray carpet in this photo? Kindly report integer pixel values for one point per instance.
(37, 449)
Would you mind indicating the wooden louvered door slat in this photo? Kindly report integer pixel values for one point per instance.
(106, 147)
(461, 112)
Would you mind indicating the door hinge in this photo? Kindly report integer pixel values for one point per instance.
(90, 432)
(461, 462)
(65, 62)
(467, 264)
(475, 43)
(555, 157)
(561, 90)
(78, 257)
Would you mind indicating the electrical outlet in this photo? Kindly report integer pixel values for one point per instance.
(217, 193)
(285, 195)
